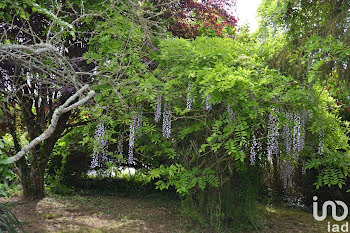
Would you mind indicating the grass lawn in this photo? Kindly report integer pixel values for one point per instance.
(99, 214)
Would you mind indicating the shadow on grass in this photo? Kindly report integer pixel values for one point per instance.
(97, 213)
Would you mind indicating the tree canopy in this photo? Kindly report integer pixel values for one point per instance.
(175, 90)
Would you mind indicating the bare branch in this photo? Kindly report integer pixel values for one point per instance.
(66, 107)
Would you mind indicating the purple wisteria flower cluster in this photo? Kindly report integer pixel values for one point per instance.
(99, 157)
(167, 122)
(135, 130)
(158, 112)
(272, 135)
(189, 100)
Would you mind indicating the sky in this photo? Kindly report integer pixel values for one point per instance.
(246, 12)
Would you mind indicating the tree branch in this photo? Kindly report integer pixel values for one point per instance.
(66, 107)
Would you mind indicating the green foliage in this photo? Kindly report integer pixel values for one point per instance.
(333, 164)
(13, 8)
(24, 9)
(315, 51)
(8, 221)
(240, 199)
(326, 51)
(207, 148)
(182, 179)
(243, 198)
(334, 168)
(286, 66)
(7, 176)
(56, 185)
(69, 161)
(316, 41)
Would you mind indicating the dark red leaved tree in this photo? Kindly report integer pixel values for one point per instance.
(191, 18)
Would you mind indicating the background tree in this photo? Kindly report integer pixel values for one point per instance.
(312, 47)
(316, 43)
(191, 18)
(42, 62)
(37, 79)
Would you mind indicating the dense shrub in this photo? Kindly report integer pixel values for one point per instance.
(7, 176)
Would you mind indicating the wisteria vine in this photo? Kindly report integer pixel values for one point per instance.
(158, 112)
(167, 122)
(189, 96)
(207, 103)
(272, 135)
(99, 157)
(135, 127)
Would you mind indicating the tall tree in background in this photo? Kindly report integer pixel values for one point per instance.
(47, 58)
(191, 18)
(314, 49)
(41, 68)
(317, 43)
(304, 23)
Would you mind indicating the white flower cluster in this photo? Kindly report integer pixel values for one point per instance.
(131, 142)
(294, 142)
(189, 96)
(138, 123)
(135, 127)
(299, 132)
(99, 157)
(272, 135)
(255, 147)
(295, 137)
(231, 113)
(207, 103)
(158, 112)
(321, 143)
(287, 133)
(167, 122)
(94, 162)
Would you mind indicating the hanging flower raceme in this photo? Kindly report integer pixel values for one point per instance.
(231, 113)
(207, 103)
(296, 133)
(189, 96)
(100, 149)
(135, 130)
(167, 122)
(132, 140)
(138, 123)
(321, 143)
(287, 133)
(295, 136)
(299, 132)
(158, 112)
(272, 135)
(253, 150)
(256, 147)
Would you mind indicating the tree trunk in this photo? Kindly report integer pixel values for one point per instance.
(32, 177)
(32, 172)
(33, 184)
